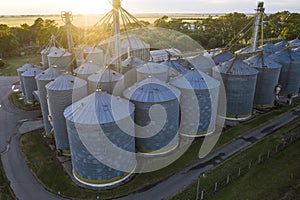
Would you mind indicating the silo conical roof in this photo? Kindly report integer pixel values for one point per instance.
(59, 53)
(105, 75)
(48, 75)
(262, 61)
(180, 65)
(195, 80)
(222, 57)
(295, 42)
(151, 90)
(281, 45)
(202, 63)
(247, 49)
(87, 68)
(236, 67)
(132, 62)
(269, 48)
(24, 67)
(97, 109)
(152, 67)
(285, 55)
(65, 82)
(32, 72)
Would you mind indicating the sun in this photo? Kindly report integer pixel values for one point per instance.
(90, 6)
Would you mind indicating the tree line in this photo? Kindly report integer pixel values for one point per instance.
(209, 32)
(218, 32)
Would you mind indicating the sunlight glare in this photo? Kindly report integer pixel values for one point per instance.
(90, 6)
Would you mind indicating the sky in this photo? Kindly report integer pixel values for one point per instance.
(33, 7)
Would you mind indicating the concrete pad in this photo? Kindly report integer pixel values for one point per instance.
(31, 126)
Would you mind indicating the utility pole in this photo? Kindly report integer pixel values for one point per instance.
(116, 17)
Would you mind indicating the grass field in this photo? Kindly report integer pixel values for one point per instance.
(41, 160)
(12, 64)
(268, 180)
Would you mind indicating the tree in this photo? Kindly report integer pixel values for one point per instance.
(8, 41)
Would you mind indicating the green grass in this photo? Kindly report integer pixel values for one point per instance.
(5, 190)
(269, 180)
(42, 160)
(14, 100)
(12, 64)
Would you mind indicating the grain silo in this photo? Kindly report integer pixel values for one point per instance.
(156, 70)
(86, 69)
(78, 53)
(94, 54)
(281, 45)
(246, 50)
(131, 63)
(106, 79)
(61, 59)
(62, 92)
(199, 100)
(30, 83)
(239, 81)
(136, 46)
(202, 63)
(267, 79)
(45, 52)
(128, 69)
(20, 71)
(102, 153)
(42, 80)
(290, 71)
(268, 48)
(222, 57)
(156, 115)
(177, 67)
(295, 42)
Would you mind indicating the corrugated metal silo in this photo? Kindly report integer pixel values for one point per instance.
(42, 80)
(78, 52)
(178, 66)
(94, 54)
(222, 57)
(240, 82)
(62, 92)
(87, 69)
(20, 71)
(295, 42)
(45, 53)
(108, 80)
(150, 97)
(268, 48)
(246, 50)
(93, 129)
(196, 86)
(290, 71)
(267, 79)
(281, 45)
(202, 63)
(30, 83)
(152, 69)
(128, 69)
(61, 59)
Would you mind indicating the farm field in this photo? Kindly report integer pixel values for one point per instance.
(91, 19)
